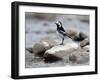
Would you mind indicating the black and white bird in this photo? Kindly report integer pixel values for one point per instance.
(72, 34)
(61, 31)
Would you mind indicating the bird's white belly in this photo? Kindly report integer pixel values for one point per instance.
(60, 35)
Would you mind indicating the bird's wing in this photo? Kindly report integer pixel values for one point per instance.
(62, 29)
(63, 32)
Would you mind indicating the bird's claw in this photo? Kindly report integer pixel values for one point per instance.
(61, 43)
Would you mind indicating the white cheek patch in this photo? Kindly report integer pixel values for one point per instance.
(59, 25)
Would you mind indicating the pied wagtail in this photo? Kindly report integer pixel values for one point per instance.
(61, 31)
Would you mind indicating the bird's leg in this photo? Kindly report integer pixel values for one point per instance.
(79, 46)
(62, 41)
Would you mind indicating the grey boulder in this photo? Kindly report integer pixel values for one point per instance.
(84, 43)
(59, 52)
(80, 56)
(44, 44)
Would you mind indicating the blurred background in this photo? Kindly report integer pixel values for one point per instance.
(40, 25)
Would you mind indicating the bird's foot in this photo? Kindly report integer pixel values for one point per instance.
(61, 43)
(81, 47)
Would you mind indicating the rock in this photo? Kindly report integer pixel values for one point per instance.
(84, 43)
(79, 57)
(86, 48)
(44, 44)
(71, 32)
(73, 58)
(40, 47)
(79, 37)
(82, 35)
(51, 58)
(58, 52)
(49, 40)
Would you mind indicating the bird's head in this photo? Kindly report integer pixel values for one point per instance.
(59, 24)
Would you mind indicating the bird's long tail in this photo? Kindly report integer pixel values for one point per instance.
(68, 35)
